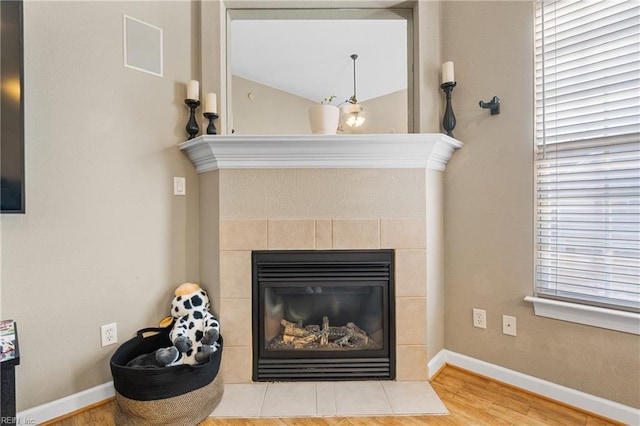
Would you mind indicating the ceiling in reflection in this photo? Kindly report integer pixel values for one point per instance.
(311, 58)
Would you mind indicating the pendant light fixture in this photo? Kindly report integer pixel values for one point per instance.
(352, 111)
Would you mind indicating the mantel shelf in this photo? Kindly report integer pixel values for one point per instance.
(415, 150)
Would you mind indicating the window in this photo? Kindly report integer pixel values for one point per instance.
(588, 152)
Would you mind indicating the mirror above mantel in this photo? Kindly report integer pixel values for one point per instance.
(283, 61)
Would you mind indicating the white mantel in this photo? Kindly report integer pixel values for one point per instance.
(416, 150)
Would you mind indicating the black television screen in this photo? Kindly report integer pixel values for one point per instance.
(12, 193)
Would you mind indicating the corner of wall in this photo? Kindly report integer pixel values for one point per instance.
(209, 227)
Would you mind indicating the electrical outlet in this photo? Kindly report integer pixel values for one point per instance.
(509, 325)
(479, 318)
(109, 334)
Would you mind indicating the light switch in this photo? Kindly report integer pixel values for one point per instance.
(179, 186)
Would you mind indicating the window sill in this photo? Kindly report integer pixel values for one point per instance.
(626, 322)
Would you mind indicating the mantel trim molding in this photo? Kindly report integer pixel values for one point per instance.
(415, 150)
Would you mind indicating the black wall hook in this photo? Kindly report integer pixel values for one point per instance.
(494, 105)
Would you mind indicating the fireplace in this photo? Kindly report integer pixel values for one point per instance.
(323, 315)
(324, 192)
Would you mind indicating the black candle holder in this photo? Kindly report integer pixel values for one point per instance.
(212, 117)
(192, 125)
(449, 120)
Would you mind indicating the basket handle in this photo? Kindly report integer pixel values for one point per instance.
(165, 324)
(148, 332)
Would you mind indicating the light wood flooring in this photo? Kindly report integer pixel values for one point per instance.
(470, 399)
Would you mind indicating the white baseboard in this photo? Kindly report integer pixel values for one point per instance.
(436, 363)
(584, 401)
(66, 405)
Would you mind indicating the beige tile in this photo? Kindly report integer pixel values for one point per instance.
(356, 234)
(236, 364)
(325, 399)
(235, 322)
(411, 272)
(243, 235)
(241, 400)
(324, 234)
(411, 362)
(411, 320)
(273, 400)
(235, 274)
(290, 234)
(361, 398)
(403, 233)
(413, 398)
(279, 400)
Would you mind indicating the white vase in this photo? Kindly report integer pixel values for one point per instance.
(324, 119)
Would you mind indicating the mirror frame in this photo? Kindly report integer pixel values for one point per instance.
(233, 13)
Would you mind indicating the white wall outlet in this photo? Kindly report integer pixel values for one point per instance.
(109, 334)
(479, 318)
(509, 325)
(179, 186)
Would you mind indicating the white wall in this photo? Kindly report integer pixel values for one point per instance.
(264, 110)
(103, 240)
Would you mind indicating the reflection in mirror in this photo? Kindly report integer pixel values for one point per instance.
(283, 62)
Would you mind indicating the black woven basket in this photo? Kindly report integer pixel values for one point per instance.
(148, 384)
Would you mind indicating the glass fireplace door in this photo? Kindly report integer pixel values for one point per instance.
(324, 317)
(323, 314)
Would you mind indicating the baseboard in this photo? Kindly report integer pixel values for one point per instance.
(584, 401)
(436, 364)
(66, 405)
(565, 395)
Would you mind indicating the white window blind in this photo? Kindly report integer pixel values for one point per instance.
(588, 151)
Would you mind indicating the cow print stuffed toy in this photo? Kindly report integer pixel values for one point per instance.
(194, 334)
(195, 331)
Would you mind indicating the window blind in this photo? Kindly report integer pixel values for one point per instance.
(588, 151)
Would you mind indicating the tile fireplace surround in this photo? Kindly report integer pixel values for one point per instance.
(324, 192)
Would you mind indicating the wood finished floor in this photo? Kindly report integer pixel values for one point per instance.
(470, 399)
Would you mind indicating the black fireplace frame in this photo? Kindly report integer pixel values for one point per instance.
(270, 267)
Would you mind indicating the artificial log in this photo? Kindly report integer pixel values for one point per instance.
(303, 342)
(324, 336)
(292, 329)
(294, 334)
(358, 332)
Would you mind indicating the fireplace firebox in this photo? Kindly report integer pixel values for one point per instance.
(323, 315)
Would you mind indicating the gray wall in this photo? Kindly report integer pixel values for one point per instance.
(103, 240)
(489, 215)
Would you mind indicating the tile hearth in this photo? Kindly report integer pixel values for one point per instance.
(328, 399)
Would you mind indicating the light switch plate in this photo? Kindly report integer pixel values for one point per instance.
(179, 186)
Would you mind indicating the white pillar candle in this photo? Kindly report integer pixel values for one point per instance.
(211, 103)
(447, 72)
(193, 90)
